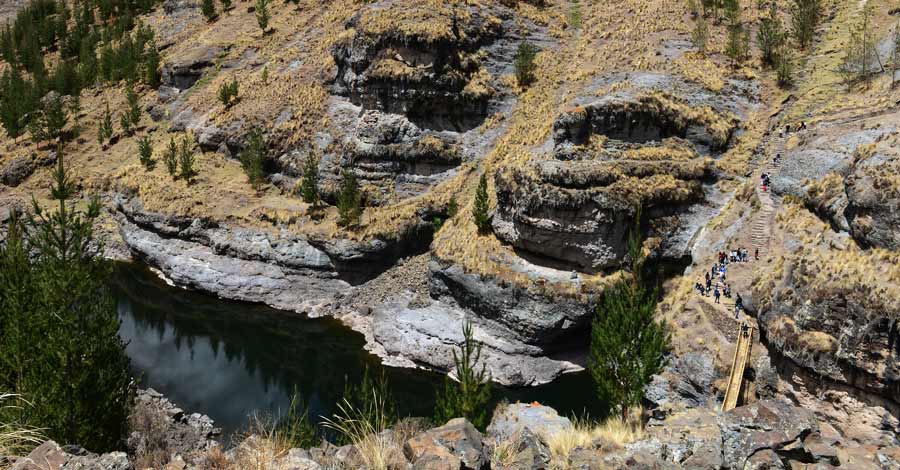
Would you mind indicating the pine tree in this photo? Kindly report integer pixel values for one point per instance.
(17, 304)
(480, 209)
(152, 75)
(349, 200)
(524, 64)
(226, 5)
(125, 123)
(738, 43)
(452, 208)
(784, 68)
(262, 14)
(134, 106)
(48, 122)
(145, 153)
(209, 9)
(469, 395)
(13, 106)
(805, 16)
(73, 369)
(770, 36)
(228, 92)
(861, 57)
(895, 55)
(309, 186)
(628, 344)
(253, 158)
(105, 132)
(700, 35)
(170, 158)
(186, 159)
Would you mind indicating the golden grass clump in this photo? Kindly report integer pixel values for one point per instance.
(16, 440)
(612, 433)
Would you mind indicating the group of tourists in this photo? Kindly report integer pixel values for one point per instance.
(787, 129)
(716, 279)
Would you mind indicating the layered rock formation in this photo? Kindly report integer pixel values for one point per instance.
(420, 61)
(639, 147)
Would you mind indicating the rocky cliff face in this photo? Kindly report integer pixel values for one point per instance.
(821, 308)
(639, 147)
(419, 61)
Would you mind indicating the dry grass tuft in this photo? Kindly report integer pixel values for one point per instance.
(614, 432)
(376, 449)
(16, 440)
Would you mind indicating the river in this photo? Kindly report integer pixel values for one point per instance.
(230, 360)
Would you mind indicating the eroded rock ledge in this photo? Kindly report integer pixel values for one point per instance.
(308, 276)
(650, 145)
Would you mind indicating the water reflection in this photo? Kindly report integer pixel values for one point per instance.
(229, 359)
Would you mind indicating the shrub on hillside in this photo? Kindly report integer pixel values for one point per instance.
(524, 64)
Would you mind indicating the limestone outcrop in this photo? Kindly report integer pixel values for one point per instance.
(572, 206)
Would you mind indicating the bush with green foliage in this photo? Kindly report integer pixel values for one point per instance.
(60, 347)
(309, 185)
(805, 16)
(253, 158)
(186, 159)
(16, 101)
(524, 64)
(170, 158)
(467, 396)
(861, 59)
(262, 14)
(784, 68)
(133, 111)
(145, 153)
(105, 130)
(208, 8)
(700, 34)
(480, 210)
(770, 36)
(349, 200)
(628, 344)
(228, 93)
(152, 76)
(452, 208)
(738, 43)
(226, 5)
(49, 119)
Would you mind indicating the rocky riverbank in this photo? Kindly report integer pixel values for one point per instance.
(768, 434)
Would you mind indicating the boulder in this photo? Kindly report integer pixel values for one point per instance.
(296, 459)
(766, 424)
(458, 438)
(47, 456)
(526, 452)
(181, 72)
(686, 382)
(513, 419)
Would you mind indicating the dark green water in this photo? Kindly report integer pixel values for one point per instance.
(230, 359)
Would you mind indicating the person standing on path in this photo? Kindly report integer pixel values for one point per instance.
(738, 306)
(716, 294)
